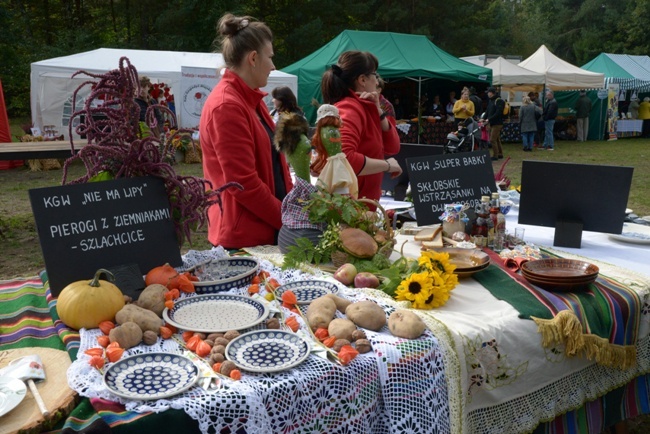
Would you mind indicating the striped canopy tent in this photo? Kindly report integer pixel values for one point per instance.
(630, 72)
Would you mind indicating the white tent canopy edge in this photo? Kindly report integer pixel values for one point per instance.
(52, 87)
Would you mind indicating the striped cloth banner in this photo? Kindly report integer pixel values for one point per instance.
(601, 320)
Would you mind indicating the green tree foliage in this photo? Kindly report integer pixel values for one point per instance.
(575, 30)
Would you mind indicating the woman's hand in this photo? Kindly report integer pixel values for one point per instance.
(370, 96)
(394, 168)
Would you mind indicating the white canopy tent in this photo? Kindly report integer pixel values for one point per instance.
(514, 78)
(52, 86)
(561, 75)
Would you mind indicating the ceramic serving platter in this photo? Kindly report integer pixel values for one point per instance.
(12, 392)
(307, 290)
(216, 313)
(267, 350)
(560, 269)
(633, 233)
(151, 376)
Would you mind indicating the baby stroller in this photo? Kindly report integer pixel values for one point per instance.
(466, 139)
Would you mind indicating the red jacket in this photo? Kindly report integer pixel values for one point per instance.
(362, 136)
(236, 147)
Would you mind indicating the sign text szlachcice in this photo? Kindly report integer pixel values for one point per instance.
(83, 227)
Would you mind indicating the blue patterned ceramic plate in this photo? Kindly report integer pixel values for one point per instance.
(225, 274)
(308, 290)
(151, 376)
(216, 313)
(633, 233)
(267, 350)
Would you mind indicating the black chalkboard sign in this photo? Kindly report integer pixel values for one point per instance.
(83, 227)
(449, 178)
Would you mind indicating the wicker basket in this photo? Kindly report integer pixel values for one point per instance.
(340, 257)
(193, 155)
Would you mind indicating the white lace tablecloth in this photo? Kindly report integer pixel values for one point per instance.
(380, 392)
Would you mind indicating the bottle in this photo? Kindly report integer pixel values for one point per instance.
(480, 226)
(495, 208)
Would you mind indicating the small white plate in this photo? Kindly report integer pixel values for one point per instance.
(151, 376)
(267, 350)
(12, 392)
(216, 313)
(633, 233)
(307, 291)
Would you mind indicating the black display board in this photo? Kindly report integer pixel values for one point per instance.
(449, 178)
(83, 227)
(574, 197)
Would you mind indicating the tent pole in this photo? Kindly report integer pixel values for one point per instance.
(419, 103)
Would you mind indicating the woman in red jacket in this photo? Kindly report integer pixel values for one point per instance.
(236, 133)
(368, 136)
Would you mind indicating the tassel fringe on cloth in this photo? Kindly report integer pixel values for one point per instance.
(566, 329)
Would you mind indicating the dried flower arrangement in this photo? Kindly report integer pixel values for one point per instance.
(114, 149)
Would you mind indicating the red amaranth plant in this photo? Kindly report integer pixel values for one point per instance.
(501, 178)
(115, 150)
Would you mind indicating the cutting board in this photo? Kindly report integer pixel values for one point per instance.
(58, 397)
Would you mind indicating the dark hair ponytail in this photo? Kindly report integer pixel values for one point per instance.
(339, 79)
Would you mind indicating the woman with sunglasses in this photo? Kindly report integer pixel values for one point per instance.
(368, 135)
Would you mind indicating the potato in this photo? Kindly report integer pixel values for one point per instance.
(321, 312)
(342, 328)
(340, 343)
(405, 324)
(146, 319)
(341, 303)
(363, 346)
(128, 335)
(153, 298)
(149, 338)
(366, 314)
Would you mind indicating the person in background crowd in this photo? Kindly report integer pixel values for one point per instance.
(368, 134)
(464, 108)
(144, 101)
(437, 110)
(644, 114)
(399, 110)
(385, 105)
(449, 108)
(236, 132)
(528, 122)
(548, 115)
(534, 98)
(478, 102)
(494, 116)
(284, 101)
(633, 108)
(583, 109)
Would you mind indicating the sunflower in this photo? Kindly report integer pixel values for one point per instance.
(438, 295)
(436, 261)
(415, 288)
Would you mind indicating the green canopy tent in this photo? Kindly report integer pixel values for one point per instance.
(629, 72)
(400, 56)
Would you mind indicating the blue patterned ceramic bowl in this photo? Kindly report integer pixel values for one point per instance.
(307, 291)
(506, 206)
(225, 274)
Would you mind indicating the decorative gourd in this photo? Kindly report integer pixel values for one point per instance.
(84, 304)
(163, 275)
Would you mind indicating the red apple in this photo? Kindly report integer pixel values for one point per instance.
(346, 274)
(366, 280)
